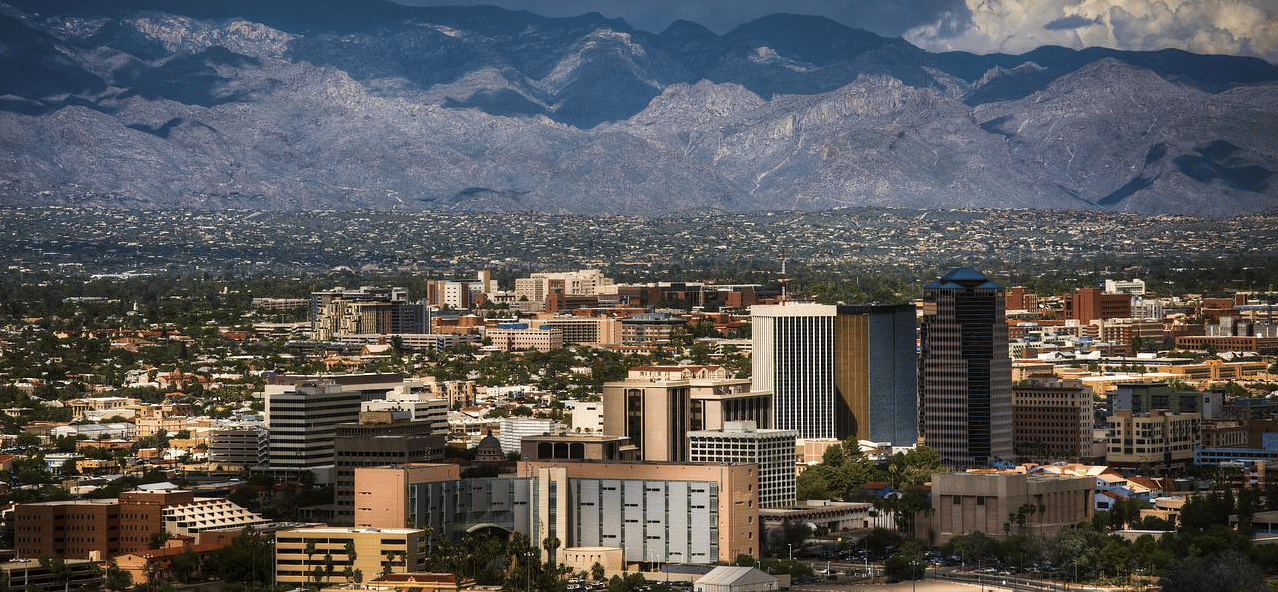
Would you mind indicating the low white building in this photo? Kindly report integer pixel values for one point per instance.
(587, 417)
(513, 430)
(96, 431)
(736, 579)
(207, 514)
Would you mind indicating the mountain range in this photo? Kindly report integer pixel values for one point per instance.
(346, 104)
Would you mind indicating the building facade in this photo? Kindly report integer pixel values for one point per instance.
(1157, 439)
(238, 447)
(665, 512)
(84, 529)
(577, 447)
(1145, 397)
(656, 407)
(994, 503)
(521, 336)
(965, 375)
(368, 551)
(773, 451)
(876, 373)
(838, 371)
(1089, 304)
(1052, 420)
(794, 359)
(303, 421)
(378, 438)
(367, 310)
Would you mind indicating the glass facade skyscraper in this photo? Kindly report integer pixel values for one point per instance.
(965, 374)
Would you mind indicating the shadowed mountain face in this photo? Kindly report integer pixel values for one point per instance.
(292, 104)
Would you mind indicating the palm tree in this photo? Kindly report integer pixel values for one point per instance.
(349, 572)
(550, 544)
(310, 552)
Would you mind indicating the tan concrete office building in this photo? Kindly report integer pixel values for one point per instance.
(382, 494)
(656, 407)
(967, 502)
(1157, 439)
(691, 513)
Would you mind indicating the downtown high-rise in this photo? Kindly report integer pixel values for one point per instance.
(838, 371)
(965, 375)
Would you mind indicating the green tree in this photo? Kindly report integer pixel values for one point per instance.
(597, 572)
(248, 561)
(185, 565)
(157, 539)
(117, 580)
(811, 484)
(27, 440)
(351, 555)
(631, 582)
(914, 467)
(907, 564)
(1227, 571)
(58, 569)
(973, 548)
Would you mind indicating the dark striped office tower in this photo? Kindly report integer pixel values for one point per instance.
(965, 374)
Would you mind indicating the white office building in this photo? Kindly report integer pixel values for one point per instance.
(303, 421)
(793, 354)
(773, 451)
(587, 417)
(419, 407)
(1133, 287)
(513, 430)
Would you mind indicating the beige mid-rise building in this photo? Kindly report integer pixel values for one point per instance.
(1157, 439)
(1052, 419)
(368, 551)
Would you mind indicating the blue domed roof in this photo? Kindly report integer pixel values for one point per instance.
(964, 274)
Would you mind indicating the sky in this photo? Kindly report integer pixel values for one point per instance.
(1236, 27)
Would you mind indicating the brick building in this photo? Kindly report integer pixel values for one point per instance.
(1090, 304)
(98, 529)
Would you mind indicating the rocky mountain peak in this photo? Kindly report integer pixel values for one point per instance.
(369, 104)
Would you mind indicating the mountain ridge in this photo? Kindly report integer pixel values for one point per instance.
(378, 105)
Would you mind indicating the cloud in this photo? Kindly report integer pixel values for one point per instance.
(1072, 21)
(885, 18)
(1239, 27)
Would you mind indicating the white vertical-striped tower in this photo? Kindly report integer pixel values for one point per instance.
(793, 357)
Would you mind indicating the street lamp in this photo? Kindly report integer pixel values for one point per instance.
(791, 546)
(866, 542)
(528, 571)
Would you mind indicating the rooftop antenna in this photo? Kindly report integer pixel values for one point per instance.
(784, 252)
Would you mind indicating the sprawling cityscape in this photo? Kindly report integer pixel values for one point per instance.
(719, 401)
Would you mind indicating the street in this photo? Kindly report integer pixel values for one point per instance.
(919, 586)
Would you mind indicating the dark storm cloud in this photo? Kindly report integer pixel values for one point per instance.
(1072, 21)
(886, 17)
(1240, 27)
